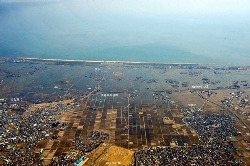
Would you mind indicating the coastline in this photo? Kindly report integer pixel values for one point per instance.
(101, 61)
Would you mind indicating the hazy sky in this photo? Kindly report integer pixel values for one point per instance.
(175, 7)
(158, 7)
(111, 29)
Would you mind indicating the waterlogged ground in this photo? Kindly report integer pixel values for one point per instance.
(127, 101)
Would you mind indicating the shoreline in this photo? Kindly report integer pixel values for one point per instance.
(101, 61)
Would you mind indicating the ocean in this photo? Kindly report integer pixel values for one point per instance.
(86, 31)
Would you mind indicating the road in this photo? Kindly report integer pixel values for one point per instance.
(225, 108)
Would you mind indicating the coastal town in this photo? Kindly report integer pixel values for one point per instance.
(69, 112)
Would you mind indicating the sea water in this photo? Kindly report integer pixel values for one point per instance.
(84, 31)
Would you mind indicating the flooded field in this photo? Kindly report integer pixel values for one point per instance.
(138, 105)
